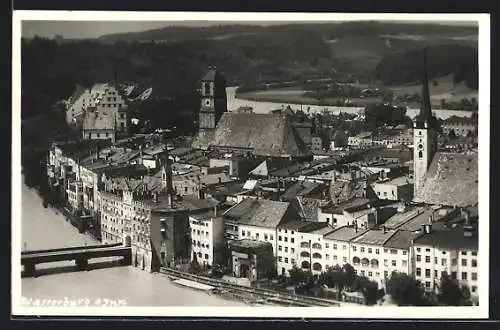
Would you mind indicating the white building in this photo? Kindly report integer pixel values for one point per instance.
(454, 251)
(399, 188)
(208, 238)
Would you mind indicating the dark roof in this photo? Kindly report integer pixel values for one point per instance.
(228, 189)
(448, 238)
(245, 244)
(341, 191)
(302, 188)
(352, 204)
(261, 212)
(452, 180)
(309, 207)
(400, 240)
(320, 228)
(344, 234)
(263, 134)
(294, 224)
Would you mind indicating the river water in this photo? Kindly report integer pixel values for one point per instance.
(234, 103)
(44, 229)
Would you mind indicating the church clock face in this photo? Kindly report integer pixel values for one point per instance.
(207, 102)
(420, 147)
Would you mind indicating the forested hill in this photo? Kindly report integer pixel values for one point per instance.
(407, 67)
(246, 55)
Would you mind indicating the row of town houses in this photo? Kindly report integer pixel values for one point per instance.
(249, 193)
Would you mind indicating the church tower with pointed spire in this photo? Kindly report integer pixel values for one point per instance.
(424, 134)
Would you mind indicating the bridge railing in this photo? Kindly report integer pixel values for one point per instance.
(88, 247)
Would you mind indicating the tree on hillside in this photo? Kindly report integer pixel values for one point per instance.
(377, 115)
(405, 290)
(452, 135)
(450, 293)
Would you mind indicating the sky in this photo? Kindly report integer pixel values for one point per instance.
(94, 29)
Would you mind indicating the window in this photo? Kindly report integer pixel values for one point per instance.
(473, 289)
(279, 238)
(279, 247)
(427, 273)
(386, 273)
(419, 257)
(206, 256)
(248, 233)
(335, 246)
(474, 253)
(257, 235)
(427, 259)
(435, 273)
(443, 262)
(454, 275)
(286, 239)
(334, 257)
(377, 251)
(370, 274)
(292, 240)
(353, 247)
(327, 257)
(292, 250)
(393, 263)
(369, 250)
(386, 262)
(327, 245)
(464, 275)
(286, 260)
(418, 249)
(271, 237)
(427, 284)
(344, 259)
(436, 260)
(344, 247)
(427, 250)
(419, 272)
(405, 263)
(464, 253)
(242, 233)
(464, 262)
(286, 248)
(265, 237)
(393, 251)
(474, 262)
(293, 260)
(405, 252)
(362, 249)
(280, 258)
(453, 261)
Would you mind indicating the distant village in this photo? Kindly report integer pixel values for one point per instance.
(263, 196)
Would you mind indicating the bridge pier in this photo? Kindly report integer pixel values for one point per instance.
(29, 270)
(81, 263)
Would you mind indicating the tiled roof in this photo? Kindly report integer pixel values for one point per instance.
(452, 179)
(99, 121)
(263, 134)
(261, 212)
(294, 224)
(318, 228)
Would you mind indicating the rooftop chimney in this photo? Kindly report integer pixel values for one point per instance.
(384, 229)
(427, 228)
(155, 197)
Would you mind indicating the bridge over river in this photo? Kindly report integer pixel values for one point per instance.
(81, 255)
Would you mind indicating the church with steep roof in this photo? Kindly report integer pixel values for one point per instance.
(440, 178)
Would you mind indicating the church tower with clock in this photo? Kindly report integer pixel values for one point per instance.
(213, 99)
(425, 128)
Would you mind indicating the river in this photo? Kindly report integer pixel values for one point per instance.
(234, 103)
(44, 229)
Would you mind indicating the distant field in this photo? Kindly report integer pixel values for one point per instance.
(444, 90)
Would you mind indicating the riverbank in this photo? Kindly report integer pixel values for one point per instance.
(45, 228)
(297, 97)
